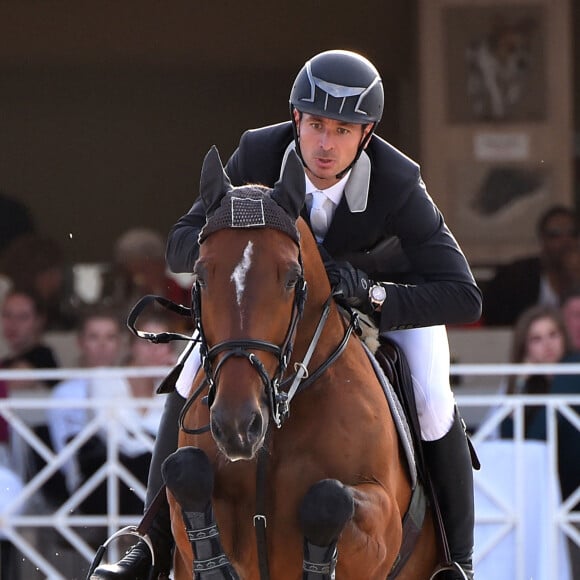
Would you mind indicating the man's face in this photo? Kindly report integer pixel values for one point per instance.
(100, 342)
(558, 236)
(328, 146)
(21, 323)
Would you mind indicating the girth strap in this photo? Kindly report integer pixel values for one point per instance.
(412, 525)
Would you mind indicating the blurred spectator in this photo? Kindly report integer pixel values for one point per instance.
(100, 345)
(571, 312)
(139, 268)
(100, 341)
(568, 434)
(15, 220)
(10, 486)
(540, 279)
(539, 338)
(36, 263)
(23, 324)
(570, 270)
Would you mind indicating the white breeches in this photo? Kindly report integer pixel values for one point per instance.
(190, 368)
(427, 351)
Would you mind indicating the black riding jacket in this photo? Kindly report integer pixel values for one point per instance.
(386, 224)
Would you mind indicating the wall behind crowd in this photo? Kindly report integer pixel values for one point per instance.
(497, 117)
(108, 109)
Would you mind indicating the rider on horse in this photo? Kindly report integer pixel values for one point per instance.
(387, 251)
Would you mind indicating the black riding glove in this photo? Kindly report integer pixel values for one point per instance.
(349, 284)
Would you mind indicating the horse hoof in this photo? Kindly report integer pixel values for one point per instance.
(326, 508)
(189, 476)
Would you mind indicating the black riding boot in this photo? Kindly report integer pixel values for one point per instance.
(137, 564)
(449, 464)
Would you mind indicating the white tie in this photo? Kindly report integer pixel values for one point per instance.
(318, 215)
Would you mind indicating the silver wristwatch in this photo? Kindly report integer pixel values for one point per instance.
(377, 295)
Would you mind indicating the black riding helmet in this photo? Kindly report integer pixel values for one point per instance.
(340, 85)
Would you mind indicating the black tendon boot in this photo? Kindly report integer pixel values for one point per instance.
(449, 464)
(189, 476)
(137, 563)
(326, 509)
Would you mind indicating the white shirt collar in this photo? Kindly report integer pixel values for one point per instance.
(356, 190)
(334, 192)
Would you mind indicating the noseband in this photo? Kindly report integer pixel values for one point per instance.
(277, 398)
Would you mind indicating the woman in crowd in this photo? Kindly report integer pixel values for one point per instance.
(539, 338)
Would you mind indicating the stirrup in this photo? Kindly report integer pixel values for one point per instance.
(126, 531)
(449, 567)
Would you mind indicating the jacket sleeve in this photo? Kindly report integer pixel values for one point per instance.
(442, 290)
(182, 243)
(256, 160)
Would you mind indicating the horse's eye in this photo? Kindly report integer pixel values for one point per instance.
(292, 279)
(200, 273)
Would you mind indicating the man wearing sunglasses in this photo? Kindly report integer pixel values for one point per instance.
(540, 279)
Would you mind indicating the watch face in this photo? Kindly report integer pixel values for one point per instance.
(378, 293)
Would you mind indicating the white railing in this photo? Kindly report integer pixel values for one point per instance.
(23, 517)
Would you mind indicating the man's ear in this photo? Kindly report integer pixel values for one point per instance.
(297, 115)
(366, 130)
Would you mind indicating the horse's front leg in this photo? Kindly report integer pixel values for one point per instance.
(360, 517)
(189, 476)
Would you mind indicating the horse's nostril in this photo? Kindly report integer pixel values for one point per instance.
(216, 429)
(255, 426)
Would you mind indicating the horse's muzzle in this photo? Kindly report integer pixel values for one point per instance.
(239, 436)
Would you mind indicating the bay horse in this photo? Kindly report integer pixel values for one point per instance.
(311, 486)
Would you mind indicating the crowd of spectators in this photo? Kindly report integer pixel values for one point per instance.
(538, 298)
(38, 298)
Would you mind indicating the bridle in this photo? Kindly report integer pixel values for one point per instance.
(280, 391)
(243, 348)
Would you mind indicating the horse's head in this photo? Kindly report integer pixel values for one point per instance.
(249, 294)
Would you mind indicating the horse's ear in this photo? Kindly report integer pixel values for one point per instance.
(214, 182)
(290, 189)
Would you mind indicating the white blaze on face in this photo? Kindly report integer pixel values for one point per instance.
(238, 276)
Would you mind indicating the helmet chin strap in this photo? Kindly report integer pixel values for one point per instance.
(359, 151)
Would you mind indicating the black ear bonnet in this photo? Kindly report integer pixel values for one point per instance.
(251, 206)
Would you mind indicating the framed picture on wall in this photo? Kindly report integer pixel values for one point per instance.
(495, 62)
(498, 205)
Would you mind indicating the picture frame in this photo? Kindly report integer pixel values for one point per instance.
(495, 62)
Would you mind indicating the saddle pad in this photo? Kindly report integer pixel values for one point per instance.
(398, 416)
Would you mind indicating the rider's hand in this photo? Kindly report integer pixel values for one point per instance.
(349, 284)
